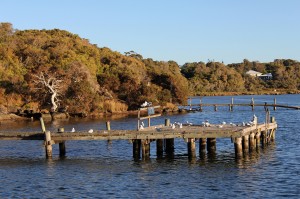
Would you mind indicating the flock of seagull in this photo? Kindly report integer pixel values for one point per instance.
(204, 124)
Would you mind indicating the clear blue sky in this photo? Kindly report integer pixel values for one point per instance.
(179, 30)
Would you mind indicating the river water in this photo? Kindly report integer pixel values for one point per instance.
(98, 169)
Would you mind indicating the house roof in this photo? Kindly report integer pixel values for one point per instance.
(253, 72)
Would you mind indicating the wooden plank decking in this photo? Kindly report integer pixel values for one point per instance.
(160, 132)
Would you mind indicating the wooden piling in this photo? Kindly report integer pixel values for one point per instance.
(62, 145)
(169, 143)
(211, 145)
(273, 130)
(108, 125)
(238, 147)
(202, 147)
(136, 149)
(42, 125)
(191, 148)
(252, 103)
(145, 149)
(264, 138)
(231, 105)
(257, 138)
(48, 144)
(159, 147)
(215, 106)
(252, 142)
(274, 107)
(245, 144)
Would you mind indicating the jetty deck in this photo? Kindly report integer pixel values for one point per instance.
(245, 138)
(154, 132)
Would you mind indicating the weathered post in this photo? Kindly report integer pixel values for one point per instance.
(136, 149)
(191, 148)
(273, 130)
(211, 145)
(108, 128)
(216, 109)
(42, 125)
(159, 147)
(169, 142)
(145, 149)
(257, 138)
(274, 107)
(108, 125)
(252, 103)
(48, 144)
(245, 144)
(238, 147)
(202, 148)
(252, 141)
(231, 105)
(200, 104)
(62, 145)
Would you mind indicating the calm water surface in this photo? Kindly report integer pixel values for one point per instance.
(97, 169)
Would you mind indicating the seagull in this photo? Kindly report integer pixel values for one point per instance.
(141, 127)
(145, 104)
(91, 131)
(173, 126)
(206, 123)
(188, 123)
(180, 125)
(223, 123)
(73, 130)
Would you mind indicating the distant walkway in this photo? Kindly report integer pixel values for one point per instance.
(252, 104)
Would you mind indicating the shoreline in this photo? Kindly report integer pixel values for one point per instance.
(13, 117)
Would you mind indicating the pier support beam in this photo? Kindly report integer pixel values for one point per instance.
(273, 130)
(238, 147)
(202, 147)
(62, 145)
(159, 148)
(252, 142)
(245, 144)
(211, 145)
(191, 148)
(169, 146)
(136, 149)
(257, 138)
(264, 138)
(169, 143)
(216, 109)
(145, 149)
(48, 144)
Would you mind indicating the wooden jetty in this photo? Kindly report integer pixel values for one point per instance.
(245, 138)
(252, 104)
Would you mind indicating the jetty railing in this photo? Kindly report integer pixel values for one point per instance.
(252, 104)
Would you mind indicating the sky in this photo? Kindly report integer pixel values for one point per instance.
(180, 30)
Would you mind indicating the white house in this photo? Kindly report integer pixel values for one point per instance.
(253, 73)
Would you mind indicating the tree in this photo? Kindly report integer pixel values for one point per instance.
(52, 86)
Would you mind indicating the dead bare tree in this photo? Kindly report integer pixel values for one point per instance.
(52, 85)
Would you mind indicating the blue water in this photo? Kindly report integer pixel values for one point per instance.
(98, 169)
